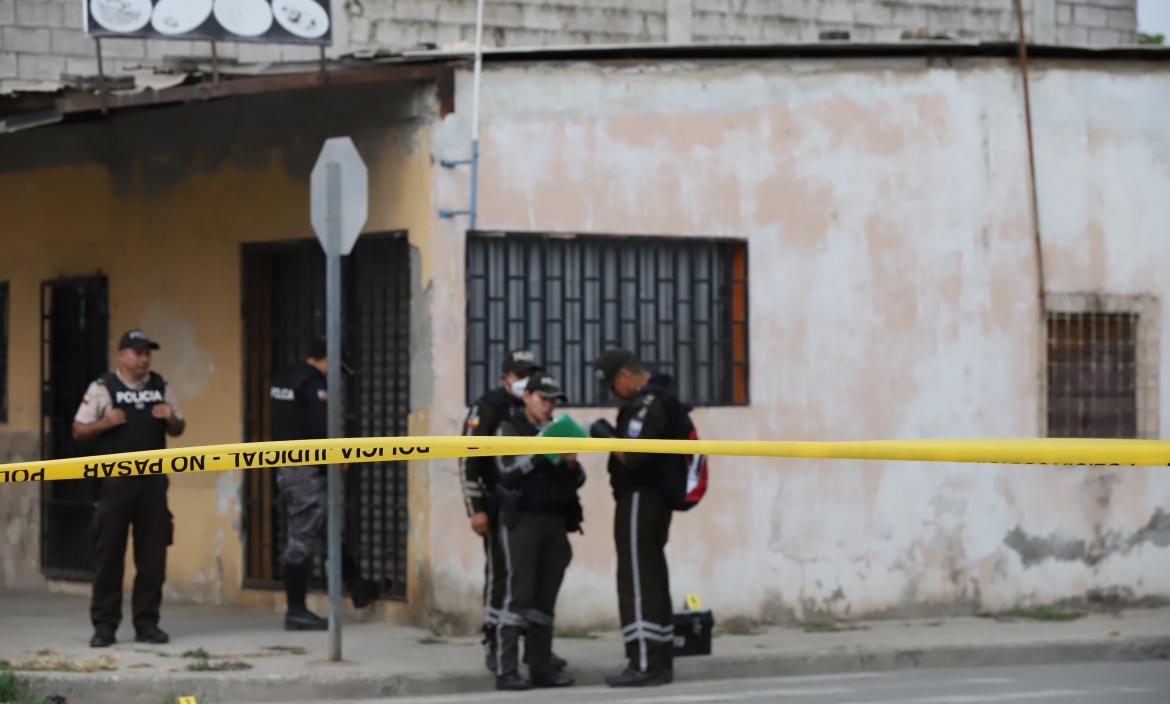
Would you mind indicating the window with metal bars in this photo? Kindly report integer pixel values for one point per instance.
(3, 351)
(680, 304)
(1094, 374)
(284, 306)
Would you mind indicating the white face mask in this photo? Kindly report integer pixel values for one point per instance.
(518, 388)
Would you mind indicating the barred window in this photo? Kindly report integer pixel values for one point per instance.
(680, 304)
(3, 351)
(1100, 378)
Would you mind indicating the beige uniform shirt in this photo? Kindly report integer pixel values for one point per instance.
(97, 400)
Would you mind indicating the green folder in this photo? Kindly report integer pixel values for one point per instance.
(562, 427)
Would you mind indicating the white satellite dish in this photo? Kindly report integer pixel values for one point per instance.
(246, 18)
(304, 18)
(122, 16)
(179, 16)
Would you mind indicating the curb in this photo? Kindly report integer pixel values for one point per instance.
(345, 683)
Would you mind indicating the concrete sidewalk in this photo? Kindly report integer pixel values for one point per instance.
(50, 630)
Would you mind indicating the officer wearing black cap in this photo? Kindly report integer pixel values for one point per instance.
(299, 402)
(129, 410)
(538, 508)
(642, 517)
(478, 477)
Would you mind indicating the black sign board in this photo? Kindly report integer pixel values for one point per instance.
(267, 21)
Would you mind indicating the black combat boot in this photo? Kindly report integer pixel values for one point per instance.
(640, 678)
(539, 650)
(296, 586)
(489, 648)
(304, 620)
(507, 670)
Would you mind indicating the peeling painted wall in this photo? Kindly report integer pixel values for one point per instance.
(160, 201)
(20, 517)
(892, 295)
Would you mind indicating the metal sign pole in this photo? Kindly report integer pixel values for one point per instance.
(338, 206)
(336, 399)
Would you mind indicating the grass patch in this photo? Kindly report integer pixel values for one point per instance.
(575, 634)
(14, 690)
(197, 653)
(221, 666)
(104, 663)
(737, 627)
(830, 627)
(1040, 613)
(286, 649)
(820, 627)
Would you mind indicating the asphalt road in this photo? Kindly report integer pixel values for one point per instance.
(1095, 683)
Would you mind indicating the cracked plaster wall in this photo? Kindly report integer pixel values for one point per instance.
(892, 295)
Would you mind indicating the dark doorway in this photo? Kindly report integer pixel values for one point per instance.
(74, 341)
(284, 305)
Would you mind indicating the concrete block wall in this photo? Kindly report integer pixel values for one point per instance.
(42, 39)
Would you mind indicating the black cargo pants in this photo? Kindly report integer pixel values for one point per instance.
(641, 527)
(141, 503)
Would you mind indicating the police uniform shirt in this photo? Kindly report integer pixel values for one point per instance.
(299, 399)
(97, 399)
(483, 419)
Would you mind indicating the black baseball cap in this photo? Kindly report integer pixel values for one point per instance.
(319, 349)
(611, 362)
(520, 362)
(546, 386)
(136, 338)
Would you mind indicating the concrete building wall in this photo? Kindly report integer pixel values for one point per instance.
(41, 39)
(892, 295)
(161, 201)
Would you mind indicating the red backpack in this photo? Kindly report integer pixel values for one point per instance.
(686, 484)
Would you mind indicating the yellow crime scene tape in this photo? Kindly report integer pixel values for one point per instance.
(262, 455)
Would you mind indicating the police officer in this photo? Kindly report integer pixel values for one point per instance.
(642, 518)
(538, 508)
(130, 410)
(478, 476)
(299, 403)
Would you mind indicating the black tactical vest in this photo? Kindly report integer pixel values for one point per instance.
(141, 431)
(548, 488)
(623, 479)
(289, 402)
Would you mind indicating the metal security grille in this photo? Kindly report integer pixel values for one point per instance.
(1098, 376)
(679, 303)
(74, 337)
(284, 306)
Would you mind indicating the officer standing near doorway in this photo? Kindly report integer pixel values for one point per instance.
(299, 403)
(478, 477)
(129, 410)
(539, 506)
(642, 518)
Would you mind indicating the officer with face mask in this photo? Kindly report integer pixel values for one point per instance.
(539, 506)
(130, 410)
(478, 477)
(299, 402)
